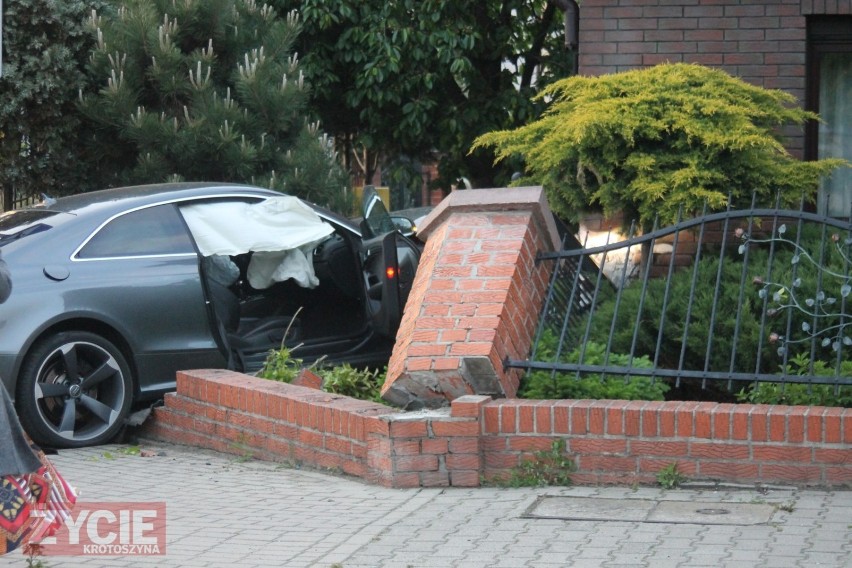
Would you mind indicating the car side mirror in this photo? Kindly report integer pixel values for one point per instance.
(404, 225)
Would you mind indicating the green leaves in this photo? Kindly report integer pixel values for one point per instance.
(45, 45)
(651, 141)
(204, 90)
(547, 385)
(424, 78)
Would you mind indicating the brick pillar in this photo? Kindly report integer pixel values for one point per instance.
(475, 299)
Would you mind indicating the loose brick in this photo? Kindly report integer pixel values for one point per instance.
(469, 406)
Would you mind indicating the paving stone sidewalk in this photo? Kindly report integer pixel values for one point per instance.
(224, 512)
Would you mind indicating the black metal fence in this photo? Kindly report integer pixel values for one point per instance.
(735, 297)
(11, 199)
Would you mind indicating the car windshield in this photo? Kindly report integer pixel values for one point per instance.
(21, 223)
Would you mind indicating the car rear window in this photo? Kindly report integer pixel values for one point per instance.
(152, 231)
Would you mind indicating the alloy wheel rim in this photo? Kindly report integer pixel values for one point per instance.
(79, 391)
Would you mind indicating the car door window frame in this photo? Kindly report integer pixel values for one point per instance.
(176, 224)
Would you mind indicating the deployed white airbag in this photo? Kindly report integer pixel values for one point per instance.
(281, 231)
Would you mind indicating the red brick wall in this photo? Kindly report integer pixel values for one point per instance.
(760, 41)
(475, 298)
(629, 442)
(610, 441)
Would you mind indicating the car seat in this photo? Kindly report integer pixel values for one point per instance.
(249, 340)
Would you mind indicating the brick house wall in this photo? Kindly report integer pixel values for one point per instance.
(761, 41)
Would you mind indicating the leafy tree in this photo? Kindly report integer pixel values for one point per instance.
(423, 78)
(44, 49)
(204, 89)
(651, 141)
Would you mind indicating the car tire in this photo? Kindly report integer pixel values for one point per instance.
(75, 389)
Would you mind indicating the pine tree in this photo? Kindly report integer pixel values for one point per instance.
(204, 90)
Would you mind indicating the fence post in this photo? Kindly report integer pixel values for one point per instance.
(476, 297)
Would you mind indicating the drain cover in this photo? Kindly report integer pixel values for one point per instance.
(648, 511)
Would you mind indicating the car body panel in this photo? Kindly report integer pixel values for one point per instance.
(56, 288)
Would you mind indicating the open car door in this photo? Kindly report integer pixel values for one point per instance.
(389, 262)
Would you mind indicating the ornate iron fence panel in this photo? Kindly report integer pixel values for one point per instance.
(737, 297)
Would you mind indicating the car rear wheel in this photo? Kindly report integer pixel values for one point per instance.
(75, 390)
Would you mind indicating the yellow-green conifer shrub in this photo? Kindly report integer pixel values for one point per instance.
(650, 141)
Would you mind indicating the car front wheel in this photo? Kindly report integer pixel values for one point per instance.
(75, 390)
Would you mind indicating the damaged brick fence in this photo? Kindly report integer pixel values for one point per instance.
(478, 438)
(475, 302)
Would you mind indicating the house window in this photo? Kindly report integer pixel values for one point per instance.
(830, 94)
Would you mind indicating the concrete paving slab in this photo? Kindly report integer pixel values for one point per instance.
(590, 509)
(226, 511)
(650, 511)
(711, 513)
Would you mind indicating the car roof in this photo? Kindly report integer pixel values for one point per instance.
(109, 201)
(139, 195)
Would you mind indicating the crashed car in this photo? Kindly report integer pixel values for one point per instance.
(116, 290)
